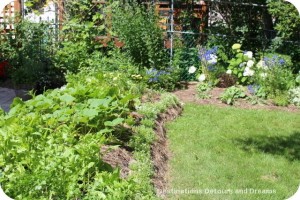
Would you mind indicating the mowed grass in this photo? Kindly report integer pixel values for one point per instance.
(231, 153)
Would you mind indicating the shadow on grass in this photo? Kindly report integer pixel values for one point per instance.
(287, 146)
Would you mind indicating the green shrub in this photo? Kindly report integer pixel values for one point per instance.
(275, 74)
(138, 28)
(203, 90)
(281, 100)
(231, 94)
(242, 65)
(167, 79)
(28, 50)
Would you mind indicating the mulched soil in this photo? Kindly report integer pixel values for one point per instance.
(189, 95)
(117, 157)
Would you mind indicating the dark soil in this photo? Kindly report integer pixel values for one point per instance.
(117, 157)
(189, 95)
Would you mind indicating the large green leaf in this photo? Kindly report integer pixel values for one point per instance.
(67, 98)
(115, 122)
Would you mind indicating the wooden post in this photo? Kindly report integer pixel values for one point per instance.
(61, 10)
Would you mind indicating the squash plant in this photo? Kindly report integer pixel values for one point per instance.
(50, 144)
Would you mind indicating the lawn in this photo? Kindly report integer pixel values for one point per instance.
(231, 153)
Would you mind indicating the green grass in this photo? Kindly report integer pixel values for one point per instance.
(233, 149)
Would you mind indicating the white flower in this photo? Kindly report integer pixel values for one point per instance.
(248, 72)
(63, 87)
(263, 75)
(202, 77)
(262, 64)
(243, 64)
(213, 59)
(229, 71)
(192, 70)
(250, 63)
(249, 54)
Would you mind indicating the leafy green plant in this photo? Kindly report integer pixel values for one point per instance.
(183, 59)
(167, 79)
(287, 26)
(203, 90)
(50, 144)
(138, 28)
(275, 75)
(281, 99)
(79, 46)
(28, 50)
(57, 137)
(242, 65)
(231, 94)
(257, 94)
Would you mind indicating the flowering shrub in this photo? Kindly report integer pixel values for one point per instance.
(162, 79)
(209, 60)
(210, 67)
(242, 65)
(275, 75)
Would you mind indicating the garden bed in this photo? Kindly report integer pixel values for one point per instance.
(189, 95)
(122, 158)
(159, 150)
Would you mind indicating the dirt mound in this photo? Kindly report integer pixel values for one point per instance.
(117, 157)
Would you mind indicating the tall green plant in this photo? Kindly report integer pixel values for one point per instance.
(29, 50)
(288, 28)
(138, 28)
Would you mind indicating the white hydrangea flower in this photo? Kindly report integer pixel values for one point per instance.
(229, 71)
(213, 59)
(192, 70)
(202, 78)
(249, 54)
(248, 72)
(262, 65)
(243, 64)
(250, 63)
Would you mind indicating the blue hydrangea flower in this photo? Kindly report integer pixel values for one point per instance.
(253, 89)
(155, 74)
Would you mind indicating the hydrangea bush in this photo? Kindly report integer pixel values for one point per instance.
(294, 95)
(242, 65)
